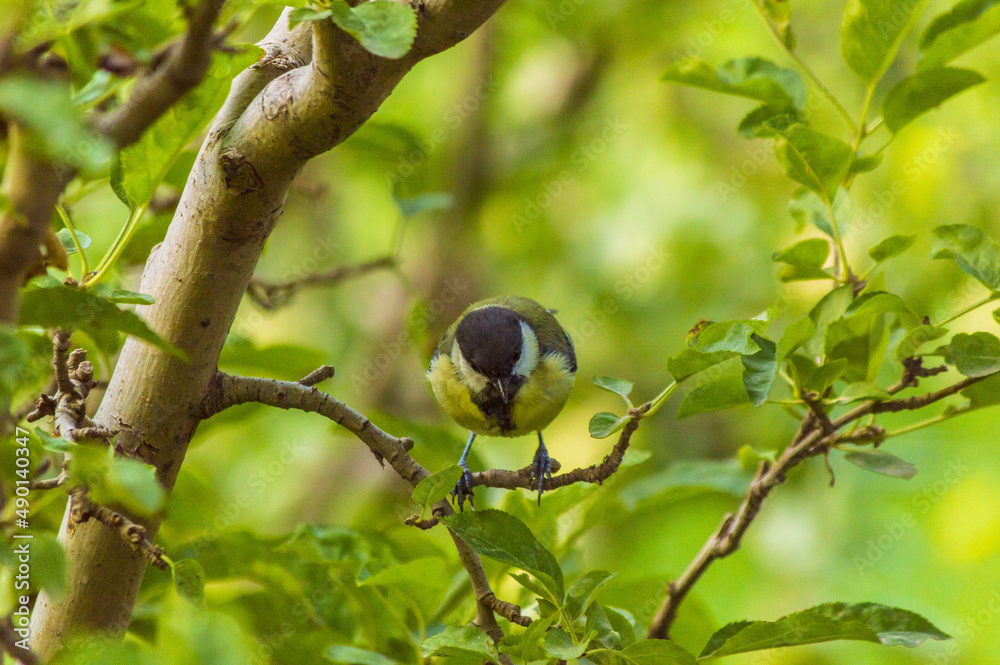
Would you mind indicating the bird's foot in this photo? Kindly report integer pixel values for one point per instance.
(541, 468)
(463, 490)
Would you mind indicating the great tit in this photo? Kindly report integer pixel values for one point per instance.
(504, 368)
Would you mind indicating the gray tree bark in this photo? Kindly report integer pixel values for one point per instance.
(314, 87)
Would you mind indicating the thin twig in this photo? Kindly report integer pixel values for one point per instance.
(271, 295)
(10, 641)
(813, 438)
(83, 509)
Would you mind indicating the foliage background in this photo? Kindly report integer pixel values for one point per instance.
(633, 208)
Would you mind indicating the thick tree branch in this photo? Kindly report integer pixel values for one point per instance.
(817, 435)
(199, 274)
(183, 69)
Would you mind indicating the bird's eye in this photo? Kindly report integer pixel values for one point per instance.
(517, 354)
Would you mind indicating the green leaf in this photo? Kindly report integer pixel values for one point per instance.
(996, 315)
(689, 362)
(881, 462)
(967, 25)
(778, 14)
(537, 588)
(623, 623)
(804, 260)
(977, 354)
(142, 166)
(975, 253)
(916, 338)
(863, 390)
(48, 564)
(866, 163)
(813, 159)
(339, 653)
(529, 647)
(824, 376)
(55, 444)
(655, 652)
(616, 386)
(558, 644)
(765, 120)
(604, 424)
(189, 581)
(984, 393)
(460, 641)
(501, 536)
(730, 336)
(753, 78)
(871, 32)
(923, 91)
(795, 335)
(874, 303)
(59, 130)
(66, 239)
(133, 484)
(580, 594)
(868, 622)
(423, 580)
(723, 393)
(123, 297)
(806, 207)
(862, 341)
(750, 459)
(435, 487)
(58, 306)
(891, 247)
(760, 370)
(424, 203)
(386, 29)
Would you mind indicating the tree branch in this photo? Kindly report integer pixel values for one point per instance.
(270, 295)
(817, 435)
(229, 391)
(83, 509)
(183, 69)
(9, 639)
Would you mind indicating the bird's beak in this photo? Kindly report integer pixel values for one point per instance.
(503, 385)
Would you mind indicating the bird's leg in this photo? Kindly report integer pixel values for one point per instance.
(463, 490)
(541, 467)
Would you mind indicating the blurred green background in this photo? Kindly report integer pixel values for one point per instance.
(634, 209)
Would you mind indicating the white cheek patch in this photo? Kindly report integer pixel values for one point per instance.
(528, 361)
(469, 376)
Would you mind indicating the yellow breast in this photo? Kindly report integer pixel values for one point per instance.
(535, 405)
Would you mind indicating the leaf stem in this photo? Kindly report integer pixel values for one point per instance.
(68, 223)
(990, 298)
(845, 268)
(824, 91)
(116, 249)
(940, 418)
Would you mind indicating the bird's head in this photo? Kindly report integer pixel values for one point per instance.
(497, 349)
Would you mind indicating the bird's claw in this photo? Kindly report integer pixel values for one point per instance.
(541, 468)
(463, 490)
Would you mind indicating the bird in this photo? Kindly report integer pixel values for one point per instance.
(504, 368)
